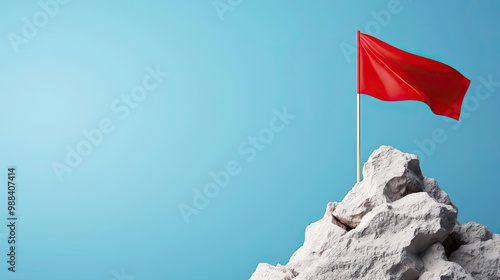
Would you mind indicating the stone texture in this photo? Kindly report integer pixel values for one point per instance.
(384, 181)
(395, 224)
(471, 233)
(437, 265)
(481, 259)
(388, 240)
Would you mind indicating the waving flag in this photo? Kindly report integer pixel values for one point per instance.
(390, 74)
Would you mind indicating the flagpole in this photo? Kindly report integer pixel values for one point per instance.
(358, 125)
(358, 138)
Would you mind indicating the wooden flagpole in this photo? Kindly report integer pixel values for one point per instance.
(358, 126)
(359, 138)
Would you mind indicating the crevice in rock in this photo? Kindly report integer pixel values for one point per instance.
(414, 166)
(406, 273)
(410, 274)
(450, 246)
(399, 187)
(421, 241)
(338, 223)
(294, 272)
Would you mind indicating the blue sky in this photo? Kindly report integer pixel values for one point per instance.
(158, 99)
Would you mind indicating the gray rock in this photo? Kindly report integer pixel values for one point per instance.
(432, 188)
(471, 233)
(320, 236)
(395, 224)
(481, 259)
(438, 267)
(388, 176)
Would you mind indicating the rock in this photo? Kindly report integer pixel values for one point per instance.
(320, 236)
(388, 176)
(432, 188)
(471, 233)
(387, 241)
(438, 267)
(481, 259)
(395, 224)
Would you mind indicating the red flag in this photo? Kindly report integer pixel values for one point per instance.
(391, 74)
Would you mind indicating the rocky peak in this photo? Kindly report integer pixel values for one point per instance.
(394, 224)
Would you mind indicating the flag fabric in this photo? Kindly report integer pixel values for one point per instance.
(390, 74)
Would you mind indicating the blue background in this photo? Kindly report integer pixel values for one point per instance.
(119, 209)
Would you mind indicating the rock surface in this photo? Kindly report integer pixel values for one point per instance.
(395, 224)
